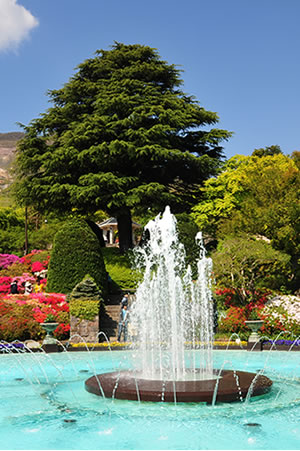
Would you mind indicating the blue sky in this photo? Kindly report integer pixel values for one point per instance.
(240, 57)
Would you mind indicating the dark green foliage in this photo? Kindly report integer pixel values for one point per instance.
(86, 289)
(75, 253)
(265, 151)
(9, 219)
(120, 136)
(12, 241)
(187, 230)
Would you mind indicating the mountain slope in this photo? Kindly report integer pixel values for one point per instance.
(8, 144)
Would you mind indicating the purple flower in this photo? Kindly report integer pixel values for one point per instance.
(7, 260)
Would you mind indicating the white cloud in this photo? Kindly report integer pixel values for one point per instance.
(16, 22)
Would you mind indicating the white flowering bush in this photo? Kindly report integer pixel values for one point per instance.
(281, 313)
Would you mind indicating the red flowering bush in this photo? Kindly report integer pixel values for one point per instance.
(234, 321)
(36, 260)
(37, 267)
(234, 316)
(17, 323)
(21, 316)
(229, 297)
(5, 284)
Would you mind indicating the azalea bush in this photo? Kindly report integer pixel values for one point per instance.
(25, 269)
(36, 261)
(5, 282)
(7, 260)
(280, 314)
(229, 297)
(21, 316)
(17, 323)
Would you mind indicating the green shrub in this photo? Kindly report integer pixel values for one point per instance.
(12, 241)
(84, 308)
(76, 251)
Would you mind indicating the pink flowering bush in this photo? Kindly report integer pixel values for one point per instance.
(7, 260)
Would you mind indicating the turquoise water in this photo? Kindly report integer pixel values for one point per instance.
(43, 405)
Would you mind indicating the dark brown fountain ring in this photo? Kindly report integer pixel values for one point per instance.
(231, 386)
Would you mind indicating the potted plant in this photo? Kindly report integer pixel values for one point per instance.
(254, 323)
(49, 325)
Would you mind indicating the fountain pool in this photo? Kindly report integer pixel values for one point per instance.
(44, 405)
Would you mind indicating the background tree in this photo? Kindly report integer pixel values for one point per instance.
(258, 196)
(220, 196)
(246, 265)
(120, 136)
(187, 231)
(267, 151)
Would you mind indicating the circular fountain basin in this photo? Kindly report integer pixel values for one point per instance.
(230, 386)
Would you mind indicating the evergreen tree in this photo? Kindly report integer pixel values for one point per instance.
(86, 289)
(120, 136)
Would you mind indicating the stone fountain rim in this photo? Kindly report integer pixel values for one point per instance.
(123, 385)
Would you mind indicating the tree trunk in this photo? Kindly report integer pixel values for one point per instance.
(125, 230)
(97, 231)
(26, 232)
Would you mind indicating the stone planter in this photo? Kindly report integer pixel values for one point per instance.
(49, 328)
(254, 325)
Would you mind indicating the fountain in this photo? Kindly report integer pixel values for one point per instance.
(173, 317)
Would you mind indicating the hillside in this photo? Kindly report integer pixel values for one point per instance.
(8, 143)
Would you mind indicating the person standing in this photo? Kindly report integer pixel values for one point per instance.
(124, 300)
(14, 287)
(123, 323)
(28, 288)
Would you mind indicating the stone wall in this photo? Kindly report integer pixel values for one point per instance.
(87, 330)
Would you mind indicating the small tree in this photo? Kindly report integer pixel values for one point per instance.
(76, 251)
(86, 289)
(245, 264)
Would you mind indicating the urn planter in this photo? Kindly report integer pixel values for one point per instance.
(254, 325)
(49, 328)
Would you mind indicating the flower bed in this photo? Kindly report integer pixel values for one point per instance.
(30, 268)
(10, 346)
(283, 345)
(21, 316)
(117, 345)
(279, 313)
